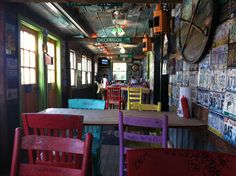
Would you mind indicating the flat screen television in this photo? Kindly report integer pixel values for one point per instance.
(104, 62)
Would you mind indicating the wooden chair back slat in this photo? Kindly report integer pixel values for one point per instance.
(57, 125)
(142, 138)
(50, 143)
(134, 96)
(144, 122)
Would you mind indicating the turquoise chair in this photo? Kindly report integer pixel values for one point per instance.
(93, 104)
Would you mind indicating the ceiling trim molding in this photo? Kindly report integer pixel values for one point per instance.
(100, 1)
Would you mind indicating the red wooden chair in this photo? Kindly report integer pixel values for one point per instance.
(57, 125)
(169, 162)
(114, 97)
(49, 143)
(132, 129)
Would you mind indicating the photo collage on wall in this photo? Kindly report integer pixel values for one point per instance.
(213, 82)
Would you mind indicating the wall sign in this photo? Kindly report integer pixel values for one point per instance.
(230, 130)
(195, 28)
(216, 103)
(218, 80)
(231, 80)
(230, 105)
(232, 55)
(203, 97)
(193, 78)
(219, 57)
(216, 124)
(113, 40)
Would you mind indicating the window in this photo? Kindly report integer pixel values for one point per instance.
(84, 69)
(119, 71)
(89, 73)
(51, 68)
(72, 68)
(95, 68)
(28, 47)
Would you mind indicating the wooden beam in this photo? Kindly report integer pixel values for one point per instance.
(93, 40)
(99, 1)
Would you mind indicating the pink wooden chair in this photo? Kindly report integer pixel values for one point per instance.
(179, 162)
(49, 143)
(140, 136)
(57, 125)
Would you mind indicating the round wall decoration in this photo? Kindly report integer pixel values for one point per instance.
(195, 28)
(135, 67)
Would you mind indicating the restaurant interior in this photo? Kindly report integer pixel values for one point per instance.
(118, 87)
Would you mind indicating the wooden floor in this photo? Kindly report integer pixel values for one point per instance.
(109, 160)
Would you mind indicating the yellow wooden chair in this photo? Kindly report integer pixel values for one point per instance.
(134, 97)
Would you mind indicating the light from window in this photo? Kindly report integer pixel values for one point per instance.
(51, 68)
(119, 71)
(95, 68)
(89, 71)
(28, 57)
(72, 68)
(84, 69)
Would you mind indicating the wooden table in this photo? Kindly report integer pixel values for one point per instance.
(110, 117)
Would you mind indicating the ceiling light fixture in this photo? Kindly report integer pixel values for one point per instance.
(118, 30)
(122, 50)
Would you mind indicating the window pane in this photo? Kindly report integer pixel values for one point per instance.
(26, 59)
(51, 49)
(22, 75)
(119, 71)
(32, 42)
(32, 60)
(72, 73)
(79, 66)
(95, 68)
(89, 77)
(26, 77)
(83, 77)
(32, 76)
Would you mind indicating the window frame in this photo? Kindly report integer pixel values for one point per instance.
(35, 34)
(120, 71)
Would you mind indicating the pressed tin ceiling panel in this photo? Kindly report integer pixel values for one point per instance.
(101, 20)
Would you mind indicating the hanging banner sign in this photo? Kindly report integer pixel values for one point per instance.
(113, 40)
(129, 56)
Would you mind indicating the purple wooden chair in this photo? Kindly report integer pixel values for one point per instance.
(143, 136)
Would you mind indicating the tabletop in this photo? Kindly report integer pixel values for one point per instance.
(110, 117)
